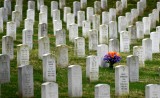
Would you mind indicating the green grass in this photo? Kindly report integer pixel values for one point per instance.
(149, 74)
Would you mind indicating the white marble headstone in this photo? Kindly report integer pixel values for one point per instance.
(7, 46)
(4, 68)
(93, 39)
(25, 81)
(43, 46)
(79, 47)
(147, 48)
(75, 81)
(49, 68)
(73, 32)
(138, 51)
(103, 34)
(133, 67)
(152, 91)
(22, 55)
(154, 36)
(102, 91)
(62, 55)
(102, 50)
(65, 12)
(28, 38)
(60, 37)
(114, 45)
(49, 90)
(121, 80)
(11, 30)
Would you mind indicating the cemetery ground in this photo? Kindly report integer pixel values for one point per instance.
(148, 74)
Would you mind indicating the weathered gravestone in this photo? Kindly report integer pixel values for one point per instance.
(7, 5)
(57, 25)
(113, 30)
(129, 18)
(146, 24)
(42, 30)
(96, 21)
(112, 14)
(83, 4)
(122, 23)
(90, 13)
(49, 90)
(65, 12)
(56, 15)
(79, 47)
(155, 12)
(119, 7)
(28, 38)
(86, 26)
(124, 4)
(43, 18)
(102, 91)
(80, 18)
(11, 30)
(62, 4)
(133, 68)
(1, 20)
(140, 30)
(132, 33)
(7, 46)
(121, 80)
(60, 37)
(93, 39)
(43, 46)
(138, 51)
(102, 50)
(28, 25)
(49, 68)
(140, 8)
(70, 19)
(25, 81)
(44, 9)
(124, 41)
(19, 9)
(31, 14)
(92, 68)
(76, 7)
(104, 4)
(75, 81)
(54, 6)
(62, 55)
(152, 91)
(39, 3)
(22, 55)
(5, 14)
(103, 34)
(154, 36)
(73, 32)
(16, 17)
(31, 5)
(158, 6)
(152, 20)
(135, 14)
(4, 68)
(105, 17)
(19, 2)
(97, 7)
(114, 45)
(147, 49)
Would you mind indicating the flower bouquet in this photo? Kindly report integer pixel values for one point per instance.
(111, 58)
